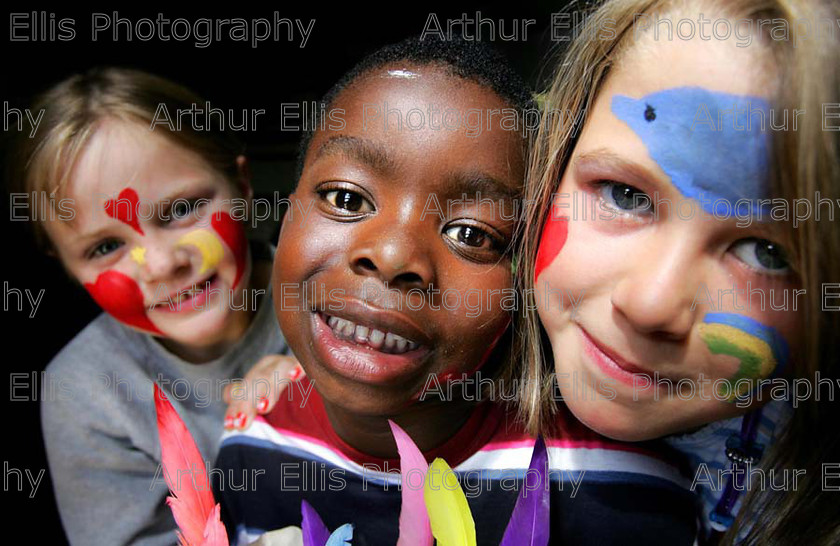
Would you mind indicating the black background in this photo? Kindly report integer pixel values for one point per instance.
(230, 75)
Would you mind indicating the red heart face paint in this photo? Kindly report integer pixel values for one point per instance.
(232, 233)
(551, 243)
(120, 296)
(125, 209)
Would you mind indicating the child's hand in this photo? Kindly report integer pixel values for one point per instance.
(260, 390)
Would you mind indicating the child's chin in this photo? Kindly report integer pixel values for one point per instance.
(617, 423)
(366, 400)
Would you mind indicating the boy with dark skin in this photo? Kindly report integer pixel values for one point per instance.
(371, 236)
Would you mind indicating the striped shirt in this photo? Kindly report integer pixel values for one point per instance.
(602, 491)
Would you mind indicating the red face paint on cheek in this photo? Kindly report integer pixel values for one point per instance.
(551, 243)
(232, 233)
(125, 209)
(120, 297)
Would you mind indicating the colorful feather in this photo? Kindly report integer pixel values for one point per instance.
(315, 533)
(341, 536)
(193, 506)
(414, 521)
(449, 514)
(529, 522)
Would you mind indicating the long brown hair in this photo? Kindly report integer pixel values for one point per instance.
(804, 161)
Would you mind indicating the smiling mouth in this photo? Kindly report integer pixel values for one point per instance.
(629, 373)
(369, 351)
(379, 340)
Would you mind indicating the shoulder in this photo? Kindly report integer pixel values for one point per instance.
(104, 337)
(86, 376)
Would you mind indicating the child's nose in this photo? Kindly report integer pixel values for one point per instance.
(164, 261)
(655, 293)
(396, 254)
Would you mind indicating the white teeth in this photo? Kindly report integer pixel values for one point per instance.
(361, 334)
(376, 339)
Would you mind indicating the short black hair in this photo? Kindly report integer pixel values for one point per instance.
(471, 60)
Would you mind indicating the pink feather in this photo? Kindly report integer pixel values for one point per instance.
(193, 505)
(415, 529)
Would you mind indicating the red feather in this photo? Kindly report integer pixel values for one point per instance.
(193, 505)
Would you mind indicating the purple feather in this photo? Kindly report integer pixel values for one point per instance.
(315, 533)
(528, 525)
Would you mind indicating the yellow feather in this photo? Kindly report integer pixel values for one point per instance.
(449, 514)
(207, 244)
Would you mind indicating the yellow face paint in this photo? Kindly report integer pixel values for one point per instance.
(138, 254)
(207, 244)
(760, 350)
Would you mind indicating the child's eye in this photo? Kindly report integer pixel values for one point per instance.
(624, 198)
(347, 201)
(105, 247)
(474, 242)
(183, 208)
(763, 255)
(468, 235)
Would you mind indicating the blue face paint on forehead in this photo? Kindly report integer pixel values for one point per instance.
(708, 153)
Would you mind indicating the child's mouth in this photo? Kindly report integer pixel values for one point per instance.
(188, 298)
(385, 342)
(360, 352)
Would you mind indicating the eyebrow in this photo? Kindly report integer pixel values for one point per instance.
(357, 149)
(474, 183)
(604, 158)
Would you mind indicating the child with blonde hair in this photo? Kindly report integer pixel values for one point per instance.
(660, 270)
(155, 237)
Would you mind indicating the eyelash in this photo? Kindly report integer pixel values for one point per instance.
(193, 204)
(496, 243)
(603, 186)
(775, 273)
(324, 193)
(94, 253)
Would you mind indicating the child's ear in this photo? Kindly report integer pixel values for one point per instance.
(243, 177)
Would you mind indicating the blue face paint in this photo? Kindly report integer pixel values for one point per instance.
(693, 135)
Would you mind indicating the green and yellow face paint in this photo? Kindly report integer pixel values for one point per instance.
(761, 351)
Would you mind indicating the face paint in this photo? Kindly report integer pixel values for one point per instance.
(760, 350)
(233, 234)
(692, 135)
(553, 238)
(125, 214)
(208, 245)
(118, 295)
(138, 254)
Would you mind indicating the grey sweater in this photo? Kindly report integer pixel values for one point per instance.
(100, 427)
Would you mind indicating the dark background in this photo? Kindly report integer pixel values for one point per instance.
(230, 75)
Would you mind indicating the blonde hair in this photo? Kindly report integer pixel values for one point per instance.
(75, 108)
(804, 161)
